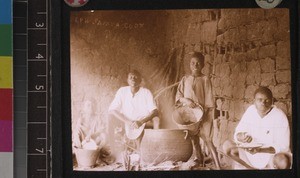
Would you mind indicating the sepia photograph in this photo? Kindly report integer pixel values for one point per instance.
(181, 90)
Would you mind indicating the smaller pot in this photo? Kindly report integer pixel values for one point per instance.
(86, 158)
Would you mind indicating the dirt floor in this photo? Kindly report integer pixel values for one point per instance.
(134, 164)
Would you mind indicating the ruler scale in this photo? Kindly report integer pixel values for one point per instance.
(38, 154)
(20, 89)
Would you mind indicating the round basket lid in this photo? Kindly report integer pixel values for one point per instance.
(188, 114)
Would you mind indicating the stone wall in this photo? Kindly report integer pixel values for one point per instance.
(243, 48)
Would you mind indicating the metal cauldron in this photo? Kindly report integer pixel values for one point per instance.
(162, 145)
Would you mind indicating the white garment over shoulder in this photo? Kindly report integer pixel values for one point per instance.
(271, 130)
(133, 107)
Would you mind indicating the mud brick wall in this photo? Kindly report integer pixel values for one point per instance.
(243, 48)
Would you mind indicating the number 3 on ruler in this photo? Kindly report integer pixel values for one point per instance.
(39, 25)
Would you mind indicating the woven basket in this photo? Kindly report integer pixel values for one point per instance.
(188, 118)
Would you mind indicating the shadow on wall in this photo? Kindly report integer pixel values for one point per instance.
(105, 45)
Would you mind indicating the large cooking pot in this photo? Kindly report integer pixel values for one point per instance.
(162, 145)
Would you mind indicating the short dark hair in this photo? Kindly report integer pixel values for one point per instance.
(199, 56)
(264, 90)
(135, 72)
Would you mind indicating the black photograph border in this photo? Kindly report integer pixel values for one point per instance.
(61, 97)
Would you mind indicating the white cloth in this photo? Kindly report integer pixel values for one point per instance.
(133, 107)
(271, 130)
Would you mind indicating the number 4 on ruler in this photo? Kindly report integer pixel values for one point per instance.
(39, 56)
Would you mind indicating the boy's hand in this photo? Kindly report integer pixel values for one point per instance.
(137, 124)
(243, 137)
(190, 103)
(87, 138)
(253, 150)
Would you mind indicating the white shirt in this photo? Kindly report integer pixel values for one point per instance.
(271, 130)
(133, 107)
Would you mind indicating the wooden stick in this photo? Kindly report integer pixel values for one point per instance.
(237, 159)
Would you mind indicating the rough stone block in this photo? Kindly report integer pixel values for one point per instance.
(283, 31)
(275, 13)
(242, 33)
(241, 79)
(197, 47)
(217, 91)
(220, 39)
(208, 58)
(238, 77)
(238, 109)
(267, 51)
(231, 36)
(282, 106)
(193, 35)
(282, 34)
(218, 70)
(225, 70)
(267, 65)
(281, 91)
(283, 49)
(268, 30)
(267, 79)
(235, 70)
(207, 69)
(254, 15)
(226, 19)
(224, 81)
(238, 57)
(283, 76)
(250, 92)
(218, 59)
(216, 82)
(253, 72)
(227, 91)
(209, 32)
(283, 63)
(252, 54)
(199, 16)
(253, 78)
(254, 32)
(238, 92)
